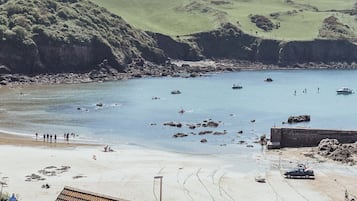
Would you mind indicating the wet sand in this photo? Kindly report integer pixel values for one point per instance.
(17, 140)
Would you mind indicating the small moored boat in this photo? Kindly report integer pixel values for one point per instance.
(260, 179)
(176, 92)
(237, 86)
(344, 90)
(268, 79)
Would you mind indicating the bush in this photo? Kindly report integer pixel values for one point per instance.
(8, 34)
(20, 32)
(67, 13)
(4, 20)
(14, 9)
(22, 21)
(2, 31)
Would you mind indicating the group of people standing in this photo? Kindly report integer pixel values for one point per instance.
(53, 138)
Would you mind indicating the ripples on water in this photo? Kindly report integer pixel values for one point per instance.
(130, 115)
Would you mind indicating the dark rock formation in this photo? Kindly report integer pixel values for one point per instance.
(211, 124)
(318, 50)
(173, 124)
(220, 133)
(191, 126)
(297, 119)
(229, 42)
(180, 135)
(205, 132)
(175, 49)
(332, 149)
(203, 140)
(262, 22)
(332, 28)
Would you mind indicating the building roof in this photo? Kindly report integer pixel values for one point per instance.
(73, 194)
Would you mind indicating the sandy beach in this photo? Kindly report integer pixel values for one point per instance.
(129, 171)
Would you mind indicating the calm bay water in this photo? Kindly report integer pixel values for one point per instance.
(130, 115)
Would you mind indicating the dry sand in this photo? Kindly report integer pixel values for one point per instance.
(129, 172)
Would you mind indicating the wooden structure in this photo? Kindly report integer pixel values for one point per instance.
(73, 194)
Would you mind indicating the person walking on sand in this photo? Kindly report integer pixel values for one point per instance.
(36, 136)
(51, 138)
(55, 138)
(13, 198)
(44, 137)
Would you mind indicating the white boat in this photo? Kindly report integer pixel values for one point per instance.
(237, 86)
(260, 179)
(344, 90)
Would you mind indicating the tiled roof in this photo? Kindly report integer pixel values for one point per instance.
(73, 194)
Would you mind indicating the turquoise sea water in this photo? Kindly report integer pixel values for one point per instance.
(130, 116)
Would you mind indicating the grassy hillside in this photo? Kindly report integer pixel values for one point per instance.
(295, 19)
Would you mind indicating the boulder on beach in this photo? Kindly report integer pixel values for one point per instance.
(333, 149)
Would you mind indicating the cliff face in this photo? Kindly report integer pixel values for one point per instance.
(229, 42)
(324, 51)
(175, 49)
(63, 57)
(55, 36)
(14, 56)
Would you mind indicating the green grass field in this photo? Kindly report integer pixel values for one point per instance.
(299, 19)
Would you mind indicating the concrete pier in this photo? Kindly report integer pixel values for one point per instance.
(307, 137)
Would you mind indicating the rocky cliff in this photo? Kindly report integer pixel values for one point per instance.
(51, 36)
(61, 36)
(229, 42)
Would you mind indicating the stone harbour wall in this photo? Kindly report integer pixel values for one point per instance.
(307, 137)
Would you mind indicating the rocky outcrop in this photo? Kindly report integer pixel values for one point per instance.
(332, 149)
(175, 49)
(229, 42)
(318, 50)
(57, 57)
(262, 22)
(297, 119)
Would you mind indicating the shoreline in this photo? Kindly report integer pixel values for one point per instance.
(132, 169)
(176, 68)
(27, 141)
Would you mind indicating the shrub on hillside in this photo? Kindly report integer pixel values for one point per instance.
(20, 33)
(262, 22)
(67, 13)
